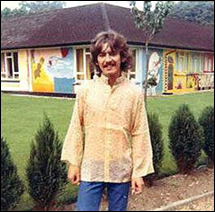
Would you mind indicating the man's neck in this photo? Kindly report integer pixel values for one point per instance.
(112, 79)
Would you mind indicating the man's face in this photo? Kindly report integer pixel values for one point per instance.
(109, 61)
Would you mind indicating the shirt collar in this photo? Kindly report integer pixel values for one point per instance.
(118, 80)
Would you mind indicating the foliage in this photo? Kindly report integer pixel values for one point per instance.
(186, 138)
(195, 11)
(45, 172)
(11, 186)
(207, 122)
(152, 81)
(157, 141)
(151, 22)
(26, 7)
(7, 12)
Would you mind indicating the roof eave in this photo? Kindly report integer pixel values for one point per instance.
(88, 43)
(47, 46)
(171, 46)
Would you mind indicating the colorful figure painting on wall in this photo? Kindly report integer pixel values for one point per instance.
(155, 63)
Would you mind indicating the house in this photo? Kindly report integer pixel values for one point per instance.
(49, 52)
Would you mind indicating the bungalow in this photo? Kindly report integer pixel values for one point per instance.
(49, 52)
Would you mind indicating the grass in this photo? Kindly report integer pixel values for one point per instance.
(20, 119)
(22, 115)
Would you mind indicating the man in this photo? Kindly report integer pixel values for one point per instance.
(116, 149)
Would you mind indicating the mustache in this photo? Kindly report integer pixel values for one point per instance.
(112, 63)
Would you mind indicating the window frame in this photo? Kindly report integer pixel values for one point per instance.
(130, 72)
(84, 62)
(182, 61)
(207, 58)
(6, 68)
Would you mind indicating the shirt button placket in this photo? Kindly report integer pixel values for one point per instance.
(107, 142)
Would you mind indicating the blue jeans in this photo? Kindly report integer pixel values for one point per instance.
(90, 194)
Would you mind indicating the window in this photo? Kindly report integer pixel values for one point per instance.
(80, 64)
(9, 65)
(89, 66)
(84, 69)
(3, 70)
(182, 61)
(132, 72)
(197, 64)
(209, 63)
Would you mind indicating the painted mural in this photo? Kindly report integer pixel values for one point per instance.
(52, 70)
(206, 81)
(186, 71)
(170, 71)
(155, 73)
(168, 76)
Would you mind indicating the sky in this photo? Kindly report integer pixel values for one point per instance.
(15, 4)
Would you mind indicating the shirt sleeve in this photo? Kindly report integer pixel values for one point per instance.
(141, 142)
(72, 151)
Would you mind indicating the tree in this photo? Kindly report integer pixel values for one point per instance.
(36, 6)
(151, 22)
(206, 120)
(6, 12)
(11, 186)
(45, 173)
(195, 11)
(186, 138)
(26, 7)
(157, 141)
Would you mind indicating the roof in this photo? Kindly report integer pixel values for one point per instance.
(79, 25)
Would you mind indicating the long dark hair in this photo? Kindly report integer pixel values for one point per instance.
(117, 43)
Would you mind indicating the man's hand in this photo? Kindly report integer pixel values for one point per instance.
(74, 175)
(137, 184)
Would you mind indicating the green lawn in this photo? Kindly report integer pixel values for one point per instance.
(20, 119)
(22, 115)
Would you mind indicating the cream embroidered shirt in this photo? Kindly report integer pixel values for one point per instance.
(108, 136)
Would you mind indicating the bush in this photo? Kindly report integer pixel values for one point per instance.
(11, 186)
(207, 122)
(186, 139)
(46, 174)
(157, 142)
